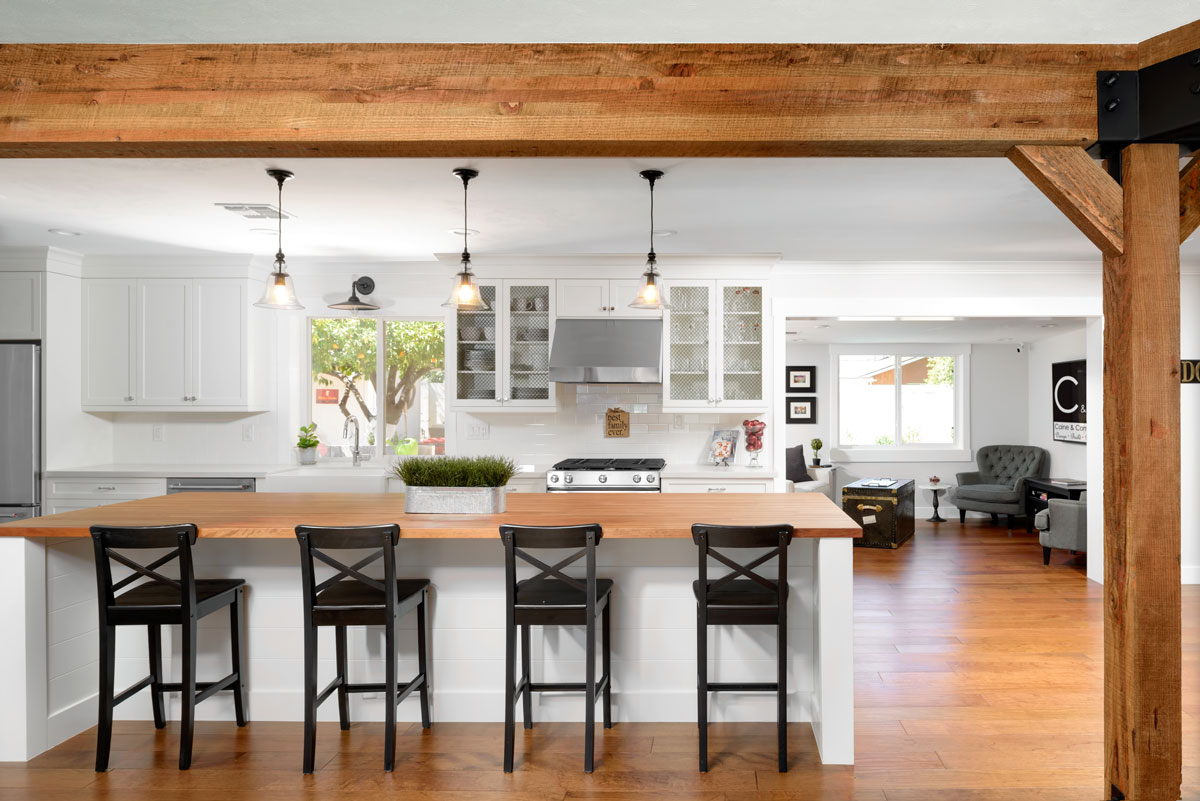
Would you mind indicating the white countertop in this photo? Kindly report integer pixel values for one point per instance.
(171, 470)
(712, 471)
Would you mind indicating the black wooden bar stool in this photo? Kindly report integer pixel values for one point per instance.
(552, 598)
(749, 601)
(162, 601)
(351, 598)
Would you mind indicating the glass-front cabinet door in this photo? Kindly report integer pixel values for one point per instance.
(478, 381)
(688, 357)
(530, 327)
(742, 338)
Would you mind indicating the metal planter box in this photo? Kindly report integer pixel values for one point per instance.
(454, 500)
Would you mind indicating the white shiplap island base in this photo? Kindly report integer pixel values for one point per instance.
(48, 580)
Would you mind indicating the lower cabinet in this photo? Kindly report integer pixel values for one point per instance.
(74, 494)
(722, 485)
(526, 485)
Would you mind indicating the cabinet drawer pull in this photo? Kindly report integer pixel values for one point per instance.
(106, 488)
(716, 489)
(128, 398)
(864, 507)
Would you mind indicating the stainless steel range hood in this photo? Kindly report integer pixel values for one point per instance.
(606, 352)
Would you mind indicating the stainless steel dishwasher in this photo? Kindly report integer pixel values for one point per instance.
(177, 485)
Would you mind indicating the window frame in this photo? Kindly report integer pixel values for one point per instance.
(380, 427)
(958, 451)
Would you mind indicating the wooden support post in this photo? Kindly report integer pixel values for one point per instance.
(1189, 199)
(1142, 621)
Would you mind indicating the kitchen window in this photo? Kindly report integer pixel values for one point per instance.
(900, 403)
(387, 375)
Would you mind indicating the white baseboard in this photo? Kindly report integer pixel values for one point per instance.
(1191, 574)
(69, 721)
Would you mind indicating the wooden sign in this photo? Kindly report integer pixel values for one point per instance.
(616, 423)
(1189, 371)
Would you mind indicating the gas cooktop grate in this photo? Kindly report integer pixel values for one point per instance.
(610, 464)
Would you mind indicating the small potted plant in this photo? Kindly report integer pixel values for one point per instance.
(454, 484)
(307, 444)
(816, 448)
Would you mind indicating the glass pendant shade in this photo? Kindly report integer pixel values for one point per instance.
(279, 292)
(465, 294)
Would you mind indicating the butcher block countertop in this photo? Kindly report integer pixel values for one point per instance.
(622, 515)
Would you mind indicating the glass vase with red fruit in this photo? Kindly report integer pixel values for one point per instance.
(754, 439)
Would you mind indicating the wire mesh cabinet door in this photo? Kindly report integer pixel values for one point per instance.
(473, 352)
(742, 347)
(528, 308)
(688, 364)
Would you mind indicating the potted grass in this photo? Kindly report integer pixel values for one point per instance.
(454, 484)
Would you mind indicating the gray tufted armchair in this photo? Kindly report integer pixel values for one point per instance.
(998, 486)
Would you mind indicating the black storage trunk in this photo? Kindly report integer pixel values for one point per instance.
(885, 513)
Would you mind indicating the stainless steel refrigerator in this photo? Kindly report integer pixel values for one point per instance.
(20, 431)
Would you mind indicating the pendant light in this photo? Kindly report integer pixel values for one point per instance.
(465, 294)
(650, 295)
(365, 285)
(279, 292)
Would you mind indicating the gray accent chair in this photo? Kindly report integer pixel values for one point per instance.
(998, 486)
(1063, 525)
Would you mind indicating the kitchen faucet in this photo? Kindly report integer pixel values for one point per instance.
(346, 432)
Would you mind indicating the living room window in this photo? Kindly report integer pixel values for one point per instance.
(900, 403)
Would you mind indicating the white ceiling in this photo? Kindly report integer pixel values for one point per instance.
(975, 330)
(594, 21)
(402, 209)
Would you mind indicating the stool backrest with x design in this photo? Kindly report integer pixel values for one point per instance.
(775, 538)
(108, 543)
(518, 540)
(380, 541)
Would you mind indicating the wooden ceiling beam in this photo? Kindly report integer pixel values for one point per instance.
(463, 100)
(1080, 188)
(1189, 199)
(1174, 42)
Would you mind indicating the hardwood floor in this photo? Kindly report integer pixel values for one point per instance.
(978, 679)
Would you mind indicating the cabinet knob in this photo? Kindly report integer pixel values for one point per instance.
(128, 398)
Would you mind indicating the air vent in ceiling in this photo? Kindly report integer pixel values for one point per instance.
(255, 211)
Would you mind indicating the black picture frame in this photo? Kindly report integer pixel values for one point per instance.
(805, 373)
(796, 413)
(1068, 390)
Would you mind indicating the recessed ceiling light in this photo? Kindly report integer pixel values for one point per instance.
(821, 325)
(63, 232)
(1048, 325)
(1005, 339)
(664, 232)
(461, 232)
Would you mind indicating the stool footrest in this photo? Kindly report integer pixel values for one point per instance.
(134, 690)
(403, 689)
(743, 686)
(205, 688)
(552, 687)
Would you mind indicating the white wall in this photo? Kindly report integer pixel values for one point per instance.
(999, 412)
(1067, 459)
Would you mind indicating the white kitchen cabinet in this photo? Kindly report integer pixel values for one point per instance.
(499, 359)
(109, 342)
(73, 494)
(21, 305)
(166, 344)
(600, 298)
(715, 349)
(526, 485)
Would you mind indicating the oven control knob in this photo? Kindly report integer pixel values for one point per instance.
(567, 479)
(637, 478)
(650, 479)
(554, 478)
(603, 479)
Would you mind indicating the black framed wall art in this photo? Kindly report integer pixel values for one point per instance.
(800, 410)
(1068, 382)
(800, 379)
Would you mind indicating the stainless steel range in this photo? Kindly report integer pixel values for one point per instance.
(605, 475)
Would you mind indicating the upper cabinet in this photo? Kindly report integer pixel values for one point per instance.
(715, 348)
(170, 344)
(20, 305)
(499, 359)
(600, 297)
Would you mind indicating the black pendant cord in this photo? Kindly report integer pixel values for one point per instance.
(279, 224)
(466, 254)
(651, 254)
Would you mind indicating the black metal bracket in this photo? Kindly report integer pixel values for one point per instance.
(1158, 103)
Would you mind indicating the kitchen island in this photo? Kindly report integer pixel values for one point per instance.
(48, 580)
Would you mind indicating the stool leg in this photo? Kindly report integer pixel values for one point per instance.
(510, 647)
(606, 662)
(589, 717)
(310, 696)
(237, 636)
(108, 664)
(423, 658)
(154, 637)
(781, 695)
(343, 671)
(702, 689)
(389, 698)
(187, 723)
(527, 698)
